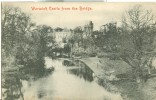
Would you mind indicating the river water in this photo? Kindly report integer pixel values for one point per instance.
(65, 83)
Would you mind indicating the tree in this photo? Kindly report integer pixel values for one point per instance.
(67, 49)
(137, 45)
(43, 31)
(16, 26)
(18, 47)
(78, 29)
(88, 43)
(22, 40)
(110, 37)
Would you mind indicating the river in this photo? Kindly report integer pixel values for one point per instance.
(65, 83)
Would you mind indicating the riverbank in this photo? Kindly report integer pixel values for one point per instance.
(120, 74)
(105, 67)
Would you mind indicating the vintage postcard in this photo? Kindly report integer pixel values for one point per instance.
(78, 51)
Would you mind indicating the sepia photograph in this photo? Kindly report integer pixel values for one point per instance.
(78, 51)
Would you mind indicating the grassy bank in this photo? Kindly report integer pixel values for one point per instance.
(120, 77)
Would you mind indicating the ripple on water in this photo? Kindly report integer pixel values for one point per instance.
(62, 85)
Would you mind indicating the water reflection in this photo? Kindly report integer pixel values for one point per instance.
(12, 87)
(65, 83)
(68, 63)
(41, 92)
(81, 70)
(12, 83)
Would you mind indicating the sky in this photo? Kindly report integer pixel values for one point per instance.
(100, 14)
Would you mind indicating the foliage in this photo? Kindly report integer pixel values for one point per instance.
(22, 40)
(67, 48)
(87, 42)
(108, 37)
(137, 39)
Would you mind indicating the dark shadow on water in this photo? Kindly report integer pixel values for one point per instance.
(12, 85)
(84, 73)
(12, 82)
(68, 63)
(82, 70)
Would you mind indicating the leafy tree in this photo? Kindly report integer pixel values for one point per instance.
(87, 42)
(110, 37)
(76, 36)
(67, 48)
(16, 25)
(43, 31)
(78, 29)
(22, 41)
